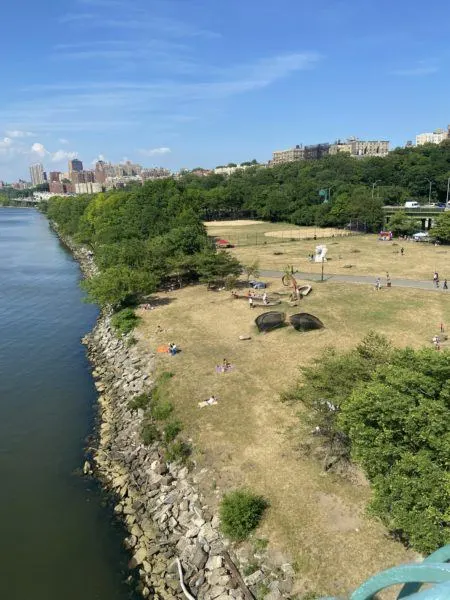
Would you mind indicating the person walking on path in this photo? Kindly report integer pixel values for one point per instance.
(436, 279)
(250, 302)
(388, 280)
(402, 251)
(445, 286)
(377, 284)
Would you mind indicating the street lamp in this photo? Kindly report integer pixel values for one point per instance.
(448, 190)
(373, 186)
(430, 181)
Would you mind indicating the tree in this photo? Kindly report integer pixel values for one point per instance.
(441, 231)
(213, 268)
(401, 224)
(251, 270)
(119, 286)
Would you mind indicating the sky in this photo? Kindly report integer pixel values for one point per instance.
(187, 83)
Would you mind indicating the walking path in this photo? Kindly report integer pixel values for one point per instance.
(362, 279)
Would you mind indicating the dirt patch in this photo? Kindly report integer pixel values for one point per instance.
(237, 223)
(305, 232)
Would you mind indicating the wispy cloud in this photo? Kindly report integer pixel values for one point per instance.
(17, 133)
(421, 68)
(144, 22)
(155, 151)
(67, 107)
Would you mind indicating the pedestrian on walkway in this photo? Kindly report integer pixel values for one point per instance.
(388, 280)
(445, 286)
(377, 284)
(402, 251)
(436, 279)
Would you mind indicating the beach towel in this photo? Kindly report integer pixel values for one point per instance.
(162, 349)
(207, 403)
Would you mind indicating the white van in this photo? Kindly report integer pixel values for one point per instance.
(412, 204)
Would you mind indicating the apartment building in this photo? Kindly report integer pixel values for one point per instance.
(360, 148)
(290, 155)
(435, 137)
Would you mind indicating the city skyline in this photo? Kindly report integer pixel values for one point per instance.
(180, 84)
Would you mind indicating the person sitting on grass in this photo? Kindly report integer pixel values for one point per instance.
(172, 349)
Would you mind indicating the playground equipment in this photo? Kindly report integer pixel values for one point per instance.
(433, 571)
(321, 253)
(270, 320)
(289, 280)
(305, 322)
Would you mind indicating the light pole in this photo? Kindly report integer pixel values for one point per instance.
(448, 190)
(430, 181)
(373, 186)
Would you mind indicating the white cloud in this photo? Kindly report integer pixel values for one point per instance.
(6, 142)
(63, 141)
(16, 133)
(99, 157)
(39, 149)
(155, 151)
(62, 155)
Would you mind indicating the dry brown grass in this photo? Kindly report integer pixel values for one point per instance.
(365, 253)
(251, 438)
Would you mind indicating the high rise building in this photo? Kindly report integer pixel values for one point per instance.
(100, 172)
(37, 174)
(75, 165)
(55, 176)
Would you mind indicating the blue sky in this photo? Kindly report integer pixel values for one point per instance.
(183, 83)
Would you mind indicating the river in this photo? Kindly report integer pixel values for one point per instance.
(57, 538)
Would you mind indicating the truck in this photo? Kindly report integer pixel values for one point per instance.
(412, 204)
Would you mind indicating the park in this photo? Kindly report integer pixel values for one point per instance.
(252, 438)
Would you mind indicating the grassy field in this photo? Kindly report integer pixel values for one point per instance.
(365, 254)
(249, 233)
(316, 519)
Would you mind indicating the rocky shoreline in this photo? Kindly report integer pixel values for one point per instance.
(174, 538)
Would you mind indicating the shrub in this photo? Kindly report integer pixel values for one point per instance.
(240, 513)
(149, 433)
(171, 431)
(140, 401)
(125, 321)
(178, 451)
(161, 409)
(165, 376)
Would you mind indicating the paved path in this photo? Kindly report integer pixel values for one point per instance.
(362, 279)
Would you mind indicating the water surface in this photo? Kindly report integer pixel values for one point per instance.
(57, 540)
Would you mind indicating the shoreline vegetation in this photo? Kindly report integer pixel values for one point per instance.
(151, 247)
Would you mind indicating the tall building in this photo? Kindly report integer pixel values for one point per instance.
(75, 165)
(435, 137)
(37, 174)
(100, 172)
(291, 155)
(55, 176)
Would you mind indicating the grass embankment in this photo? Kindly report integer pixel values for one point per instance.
(365, 254)
(250, 438)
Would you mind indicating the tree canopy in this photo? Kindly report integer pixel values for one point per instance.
(389, 410)
(140, 238)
